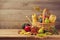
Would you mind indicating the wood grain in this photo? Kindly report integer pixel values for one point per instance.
(12, 34)
(13, 12)
(29, 4)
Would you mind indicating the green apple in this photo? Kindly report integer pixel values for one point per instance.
(46, 20)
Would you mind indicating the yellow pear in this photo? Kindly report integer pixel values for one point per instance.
(41, 30)
(52, 18)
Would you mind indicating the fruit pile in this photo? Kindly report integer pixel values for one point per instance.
(41, 25)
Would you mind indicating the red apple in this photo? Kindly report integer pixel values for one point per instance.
(27, 28)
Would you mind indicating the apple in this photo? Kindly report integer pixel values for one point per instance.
(25, 24)
(27, 28)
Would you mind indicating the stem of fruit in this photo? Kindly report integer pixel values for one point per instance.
(28, 19)
(43, 15)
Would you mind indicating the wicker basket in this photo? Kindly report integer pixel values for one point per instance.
(47, 26)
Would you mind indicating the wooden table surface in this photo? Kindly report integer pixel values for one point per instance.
(13, 33)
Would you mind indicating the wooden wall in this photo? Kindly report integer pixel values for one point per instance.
(13, 12)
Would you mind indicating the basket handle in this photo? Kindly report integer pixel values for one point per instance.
(45, 11)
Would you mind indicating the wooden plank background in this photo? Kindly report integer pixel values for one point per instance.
(13, 12)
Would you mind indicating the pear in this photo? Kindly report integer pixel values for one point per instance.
(52, 18)
(41, 35)
(46, 20)
(41, 30)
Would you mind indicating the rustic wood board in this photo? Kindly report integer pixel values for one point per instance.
(14, 33)
(13, 12)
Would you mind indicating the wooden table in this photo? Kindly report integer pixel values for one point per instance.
(12, 34)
